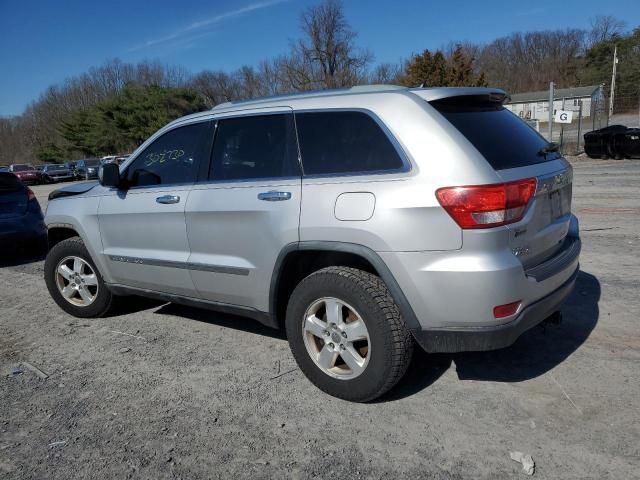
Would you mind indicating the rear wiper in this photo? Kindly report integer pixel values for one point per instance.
(550, 148)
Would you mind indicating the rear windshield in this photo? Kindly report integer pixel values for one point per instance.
(9, 183)
(502, 138)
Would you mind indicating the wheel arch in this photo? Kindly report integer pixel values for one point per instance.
(60, 231)
(297, 260)
(57, 232)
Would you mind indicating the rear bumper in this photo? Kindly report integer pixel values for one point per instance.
(29, 180)
(59, 178)
(462, 339)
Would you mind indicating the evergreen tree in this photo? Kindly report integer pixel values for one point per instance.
(434, 70)
(123, 121)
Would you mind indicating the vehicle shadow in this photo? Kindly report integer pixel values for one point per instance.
(15, 258)
(134, 304)
(536, 352)
(225, 320)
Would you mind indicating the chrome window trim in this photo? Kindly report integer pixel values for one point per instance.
(269, 180)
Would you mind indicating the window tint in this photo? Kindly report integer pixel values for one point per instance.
(502, 138)
(255, 147)
(344, 142)
(172, 158)
(9, 183)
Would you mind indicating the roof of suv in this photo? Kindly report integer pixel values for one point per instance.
(428, 93)
(310, 98)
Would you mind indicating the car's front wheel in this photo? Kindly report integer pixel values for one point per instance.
(74, 282)
(346, 333)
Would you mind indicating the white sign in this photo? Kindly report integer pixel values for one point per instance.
(563, 116)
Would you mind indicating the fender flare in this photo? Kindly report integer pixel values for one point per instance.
(371, 256)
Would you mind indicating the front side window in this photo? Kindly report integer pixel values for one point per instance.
(254, 147)
(172, 158)
(344, 142)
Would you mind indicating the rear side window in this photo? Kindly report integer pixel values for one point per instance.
(502, 138)
(343, 143)
(173, 158)
(254, 147)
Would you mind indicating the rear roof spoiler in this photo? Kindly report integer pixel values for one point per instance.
(439, 93)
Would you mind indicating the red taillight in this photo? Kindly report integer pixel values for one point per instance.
(484, 206)
(502, 311)
(30, 194)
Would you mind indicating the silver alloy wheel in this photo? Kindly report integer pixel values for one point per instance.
(76, 281)
(336, 338)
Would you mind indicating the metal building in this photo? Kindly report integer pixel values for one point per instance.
(535, 105)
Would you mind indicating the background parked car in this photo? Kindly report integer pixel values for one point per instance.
(87, 168)
(4, 168)
(21, 220)
(56, 173)
(71, 166)
(26, 173)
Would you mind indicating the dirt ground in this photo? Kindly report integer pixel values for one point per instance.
(164, 391)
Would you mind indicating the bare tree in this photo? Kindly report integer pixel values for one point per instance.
(326, 57)
(387, 73)
(216, 87)
(528, 61)
(605, 27)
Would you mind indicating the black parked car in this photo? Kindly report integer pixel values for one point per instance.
(57, 173)
(21, 220)
(87, 168)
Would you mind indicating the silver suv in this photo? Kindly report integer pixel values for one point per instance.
(363, 221)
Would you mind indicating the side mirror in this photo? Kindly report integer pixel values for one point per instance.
(109, 175)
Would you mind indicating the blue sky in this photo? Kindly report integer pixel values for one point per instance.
(43, 42)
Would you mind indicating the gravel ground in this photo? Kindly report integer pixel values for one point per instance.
(164, 391)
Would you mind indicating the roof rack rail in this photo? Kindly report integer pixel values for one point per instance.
(314, 93)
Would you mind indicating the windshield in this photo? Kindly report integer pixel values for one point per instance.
(55, 167)
(92, 163)
(502, 138)
(21, 168)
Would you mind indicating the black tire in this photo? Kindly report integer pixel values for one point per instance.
(104, 300)
(391, 343)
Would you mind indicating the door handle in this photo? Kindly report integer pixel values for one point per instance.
(274, 196)
(166, 199)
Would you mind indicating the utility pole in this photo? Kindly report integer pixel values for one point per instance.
(579, 126)
(550, 112)
(613, 79)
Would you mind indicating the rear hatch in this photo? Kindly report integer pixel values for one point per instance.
(516, 151)
(13, 197)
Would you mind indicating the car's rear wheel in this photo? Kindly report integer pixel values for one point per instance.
(347, 334)
(74, 282)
